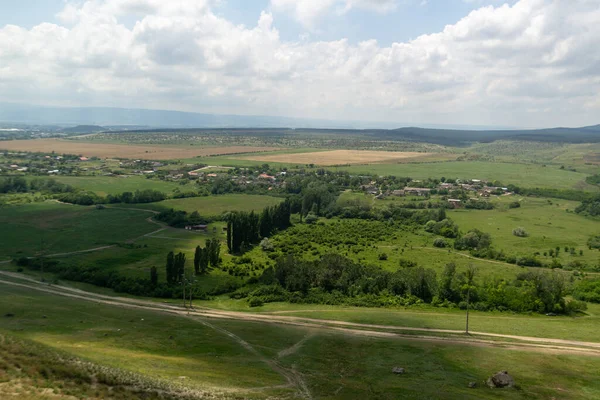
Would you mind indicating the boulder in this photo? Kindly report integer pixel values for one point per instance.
(472, 385)
(501, 380)
(398, 370)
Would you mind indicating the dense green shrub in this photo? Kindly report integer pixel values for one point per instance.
(474, 239)
(520, 232)
(588, 290)
(440, 243)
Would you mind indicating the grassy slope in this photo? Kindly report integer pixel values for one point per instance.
(137, 341)
(66, 228)
(334, 366)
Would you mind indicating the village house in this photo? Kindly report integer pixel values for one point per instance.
(456, 203)
(398, 193)
(409, 191)
(266, 176)
(370, 189)
(203, 228)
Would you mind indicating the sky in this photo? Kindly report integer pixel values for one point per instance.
(521, 63)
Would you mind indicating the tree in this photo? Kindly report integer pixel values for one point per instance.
(197, 258)
(179, 267)
(170, 268)
(153, 276)
(204, 261)
(214, 252)
(446, 291)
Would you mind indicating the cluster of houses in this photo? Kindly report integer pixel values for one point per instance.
(205, 175)
(478, 188)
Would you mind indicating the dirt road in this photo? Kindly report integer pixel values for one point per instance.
(371, 330)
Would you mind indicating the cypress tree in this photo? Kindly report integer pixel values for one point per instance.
(179, 267)
(153, 276)
(170, 268)
(197, 257)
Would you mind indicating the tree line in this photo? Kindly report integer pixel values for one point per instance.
(335, 279)
(245, 229)
(18, 184)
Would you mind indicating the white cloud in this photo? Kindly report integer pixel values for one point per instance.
(308, 12)
(535, 63)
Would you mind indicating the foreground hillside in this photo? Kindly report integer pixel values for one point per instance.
(144, 349)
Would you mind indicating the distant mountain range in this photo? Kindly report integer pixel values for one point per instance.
(129, 118)
(95, 119)
(124, 117)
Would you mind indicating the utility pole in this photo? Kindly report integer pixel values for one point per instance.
(183, 285)
(471, 272)
(468, 295)
(42, 258)
(191, 292)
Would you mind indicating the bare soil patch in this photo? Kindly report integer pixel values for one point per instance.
(142, 152)
(343, 157)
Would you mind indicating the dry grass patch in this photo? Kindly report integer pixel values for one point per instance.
(143, 152)
(343, 157)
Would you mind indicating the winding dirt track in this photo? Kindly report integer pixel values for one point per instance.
(369, 330)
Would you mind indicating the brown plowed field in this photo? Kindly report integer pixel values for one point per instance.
(343, 157)
(142, 152)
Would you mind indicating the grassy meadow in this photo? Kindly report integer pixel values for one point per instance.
(216, 205)
(547, 222)
(105, 185)
(61, 228)
(186, 351)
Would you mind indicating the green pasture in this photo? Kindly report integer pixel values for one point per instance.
(104, 185)
(525, 175)
(153, 344)
(216, 205)
(333, 365)
(547, 222)
(56, 228)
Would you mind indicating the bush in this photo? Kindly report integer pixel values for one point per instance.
(588, 290)
(474, 239)
(267, 245)
(514, 204)
(440, 243)
(520, 232)
(574, 306)
(255, 302)
(311, 218)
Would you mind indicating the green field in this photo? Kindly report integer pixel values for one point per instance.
(216, 205)
(65, 228)
(546, 221)
(525, 175)
(211, 358)
(104, 185)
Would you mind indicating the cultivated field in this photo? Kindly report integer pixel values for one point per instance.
(342, 157)
(102, 150)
